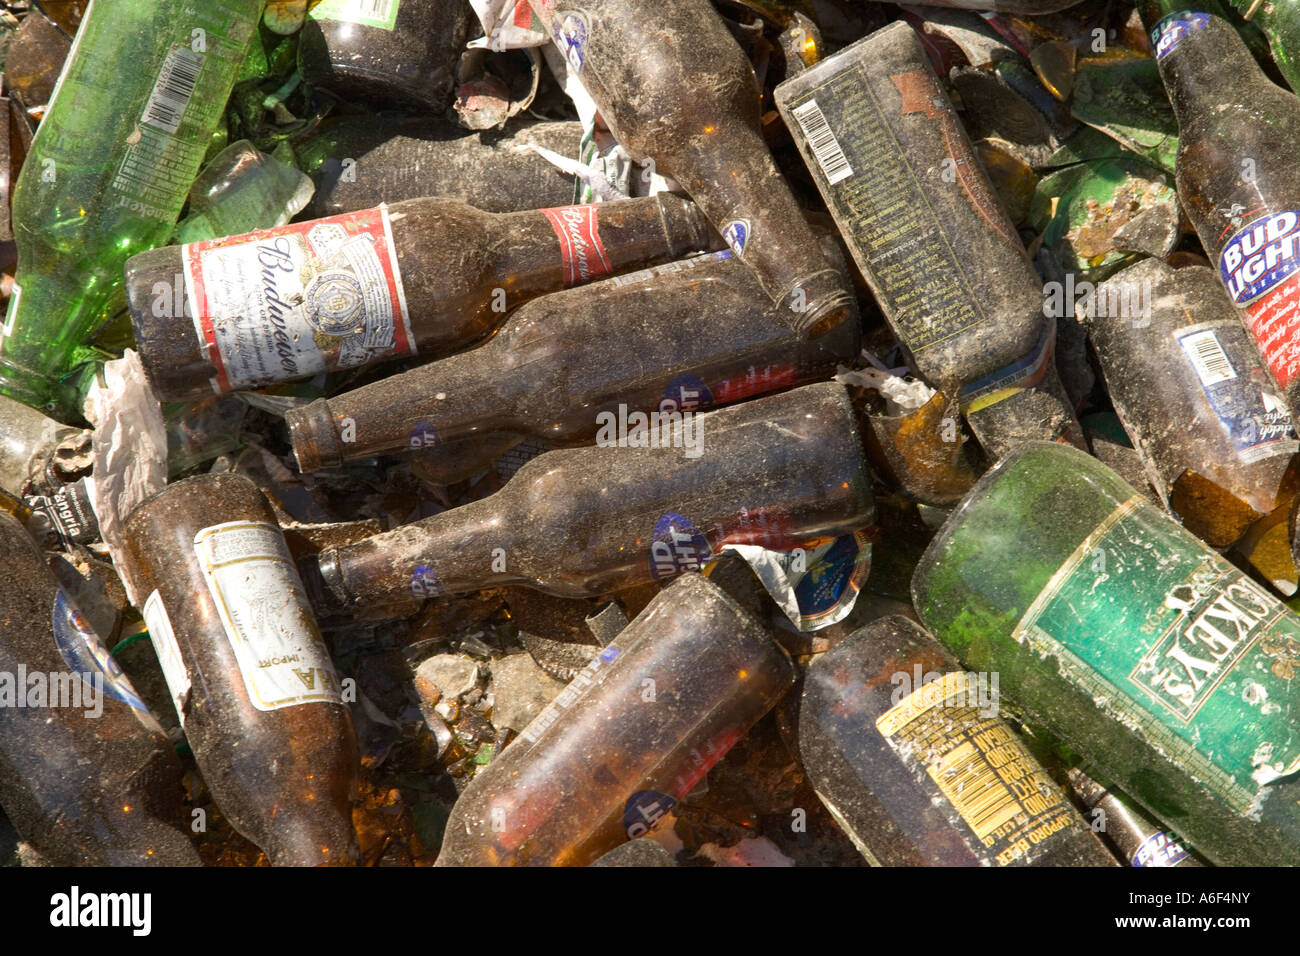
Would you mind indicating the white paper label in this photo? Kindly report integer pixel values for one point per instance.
(264, 609)
(169, 653)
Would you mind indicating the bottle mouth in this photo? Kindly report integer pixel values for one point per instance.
(314, 439)
(818, 304)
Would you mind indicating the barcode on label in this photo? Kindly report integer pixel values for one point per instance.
(171, 94)
(822, 141)
(974, 789)
(1208, 358)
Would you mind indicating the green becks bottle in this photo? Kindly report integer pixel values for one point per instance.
(1280, 22)
(1136, 644)
(141, 93)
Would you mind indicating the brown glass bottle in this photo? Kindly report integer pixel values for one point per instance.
(386, 52)
(682, 337)
(358, 162)
(578, 522)
(1188, 385)
(1237, 181)
(674, 86)
(897, 171)
(28, 440)
(427, 275)
(247, 669)
(632, 734)
(1139, 840)
(87, 775)
(911, 756)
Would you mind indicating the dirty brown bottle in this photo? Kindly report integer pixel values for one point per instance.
(674, 86)
(386, 52)
(427, 275)
(943, 259)
(87, 775)
(1139, 840)
(640, 506)
(680, 337)
(912, 758)
(358, 162)
(1190, 389)
(633, 733)
(248, 671)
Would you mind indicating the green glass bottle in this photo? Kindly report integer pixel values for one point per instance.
(143, 89)
(1140, 647)
(1280, 22)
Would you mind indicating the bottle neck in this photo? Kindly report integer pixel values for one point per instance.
(1200, 52)
(464, 549)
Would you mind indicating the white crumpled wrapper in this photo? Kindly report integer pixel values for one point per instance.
(780, 575)
(130, 452)
(506, 29)
(901, 393)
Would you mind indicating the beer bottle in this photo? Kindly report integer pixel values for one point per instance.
(1137, 645)
(647, 502)
(386, 51)
(674, 86)
(911, 756)
(428, 275)
(941, 256)
(87, 775)
(563, 360)
(28, 442)
(1138, 839)
(357, 162)
(1234, 124)
(109, 169)
(249, 674)
(1187, 384)
(632, 734)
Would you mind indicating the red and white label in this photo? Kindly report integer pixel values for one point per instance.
(581, 251)
(291, 302)
(1274, 320)
(757, 381)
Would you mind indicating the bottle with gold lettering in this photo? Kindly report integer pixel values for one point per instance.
(913, 759)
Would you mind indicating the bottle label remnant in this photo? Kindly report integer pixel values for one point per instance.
(1187, 650)
(263, 608)
(1173, 28)
(298, 300)
(168, 651)
(582, 254)
(1260, 266)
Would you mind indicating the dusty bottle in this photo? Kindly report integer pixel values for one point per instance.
(911, 757)
(1138, 839)
(643, 504)
(1141, 648)
(563, 361)
(427, 275)
(28, 441)
(86, 773)
(942, 257)
(632, 734)
(110, 167)
(1188, 385)
(357, 162)
(249, 674)
(386, 51)
(684, 95)
(1234, 124)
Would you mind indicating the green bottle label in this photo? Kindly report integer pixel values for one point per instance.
(367, 13)
(1178, 644)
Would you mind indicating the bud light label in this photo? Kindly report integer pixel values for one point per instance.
(582, 254)
(736, 235)
(1160, 849)
(84, 653)
(425, 584)
(676, 546)
(643, 810)
(423, 435)
(1173, 28)
(1258, 266)
(685, 393)
(571, 36)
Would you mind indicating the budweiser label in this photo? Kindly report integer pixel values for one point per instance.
(581, 251)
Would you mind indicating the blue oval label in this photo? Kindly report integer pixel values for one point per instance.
(1173, 28)
(423, 435)
(736, 234)
(676, 546)
(84, 653)
(425, 584)
(1160, 849)
(685, 393)
(643, 810)
(1260, 255)
(571, 35)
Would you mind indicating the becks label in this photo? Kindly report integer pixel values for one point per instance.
(291, 302)
(582, 254)
(1258, 266)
